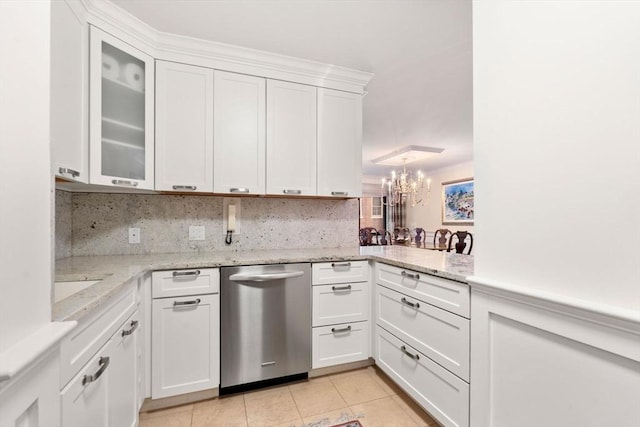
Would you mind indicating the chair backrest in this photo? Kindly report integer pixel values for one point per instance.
(364, 237)
(440, 236)
(419, 238)
(368, 236)
(461, 244)
(384, 237)
(402, 236)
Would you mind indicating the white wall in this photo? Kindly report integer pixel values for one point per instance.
(557, 147)
(25, 178)
(429, 216)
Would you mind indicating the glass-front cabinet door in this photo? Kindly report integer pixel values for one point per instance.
(121, 113)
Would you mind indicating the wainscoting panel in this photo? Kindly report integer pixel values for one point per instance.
(538, 362)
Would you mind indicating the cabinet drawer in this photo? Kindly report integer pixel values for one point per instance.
(337, 344)
(446, 294)
(175, 283)
(442, 394)
(327, 273)
(79, 346)
(440, 335)
(340, 303)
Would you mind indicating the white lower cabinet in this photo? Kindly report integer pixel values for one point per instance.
(422, 340)
(185, 344)
(123, 379)
(340, 313)
(103, 393)
(443, 394)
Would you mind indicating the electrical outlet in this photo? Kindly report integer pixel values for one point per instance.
(134, 235)
(196, 232)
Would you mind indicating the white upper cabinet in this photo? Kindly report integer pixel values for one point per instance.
(69, 98)
(184, 128)
(291, 138)
(339, 143)
(121, 113)
(239, 134)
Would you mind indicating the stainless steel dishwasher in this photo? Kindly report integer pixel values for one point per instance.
(265, 325)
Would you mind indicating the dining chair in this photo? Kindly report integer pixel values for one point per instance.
(384, 237)
(419, 236)
(441, 237)
(402, 236)
(364, 237)
(368, 236)
(461, 244)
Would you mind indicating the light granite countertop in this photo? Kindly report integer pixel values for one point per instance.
(116, 272)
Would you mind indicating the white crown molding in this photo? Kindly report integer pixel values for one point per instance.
(178, 48)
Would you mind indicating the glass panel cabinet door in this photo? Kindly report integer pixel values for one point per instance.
(121, 113)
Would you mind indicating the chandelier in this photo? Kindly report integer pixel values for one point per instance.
(404, 188)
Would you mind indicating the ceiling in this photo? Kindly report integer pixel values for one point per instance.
(419, 50)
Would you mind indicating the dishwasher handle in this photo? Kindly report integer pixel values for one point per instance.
(264, 277)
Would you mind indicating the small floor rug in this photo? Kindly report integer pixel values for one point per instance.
(354, 423)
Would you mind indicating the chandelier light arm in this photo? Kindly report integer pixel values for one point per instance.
(404, 187)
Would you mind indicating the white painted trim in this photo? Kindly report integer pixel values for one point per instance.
(601, 313)
(222, 56)
(26, 352)
(564, 325)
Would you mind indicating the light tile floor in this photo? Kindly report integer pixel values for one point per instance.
(365, 394)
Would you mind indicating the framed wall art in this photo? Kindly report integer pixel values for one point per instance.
(457, 202)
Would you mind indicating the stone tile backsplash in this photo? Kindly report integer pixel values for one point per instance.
(63, 242)
(99, 223)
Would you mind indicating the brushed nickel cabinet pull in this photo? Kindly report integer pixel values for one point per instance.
(124, 182)
(134, 326)
(337, 331)
(341, 288)
(292, 191)
(410, 304)
(413, 356)
(185, 187)
(183, 303)
(104, 364)
(238, 190)
(186, 273)
(410, 275)
(68, 171)
(339, 193)
(340, 264)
